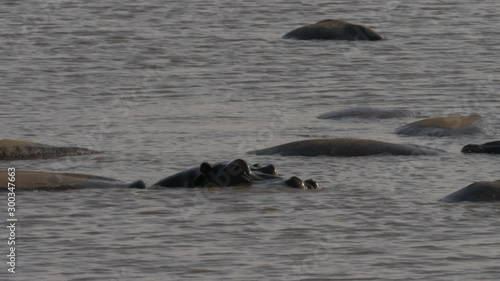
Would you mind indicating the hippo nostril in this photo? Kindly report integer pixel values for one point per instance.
(269, 169)
(311, 184)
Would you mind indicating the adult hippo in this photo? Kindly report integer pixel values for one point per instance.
(367, 113)
(344, 147)
(331, 29)
(235, 173)
(19, 150)
(34, 180)
(478, 191)
(489, 147)
(444, 126)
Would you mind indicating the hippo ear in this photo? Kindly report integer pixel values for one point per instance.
(205, 168)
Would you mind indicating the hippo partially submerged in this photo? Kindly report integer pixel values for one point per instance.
(19, 150)
(478, 191)
(235, 173)
(331, 29)
(367, 113)
(489, 147)
(344, 147)
(34, 180)
(444, 126)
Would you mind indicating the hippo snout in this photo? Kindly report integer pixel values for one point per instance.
(295, 182)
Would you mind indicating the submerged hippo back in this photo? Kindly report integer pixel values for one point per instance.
(444, 126)
(19, 149)
(34, 180)
(368, 113)
(343, 147)
(476, 192)
(333, 30)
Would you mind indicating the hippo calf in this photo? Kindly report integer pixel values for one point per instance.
(235, 173)
(489, 147)
(331, 29)
(483, 191)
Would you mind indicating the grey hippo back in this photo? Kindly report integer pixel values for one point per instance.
(345, 147)
(482, 191)
(20, 149)
(332, 29)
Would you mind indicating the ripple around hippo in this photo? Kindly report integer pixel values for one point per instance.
(345, 147)
(331, 29)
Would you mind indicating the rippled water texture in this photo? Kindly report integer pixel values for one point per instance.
(164, 85)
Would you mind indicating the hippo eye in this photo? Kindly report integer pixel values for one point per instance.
(237, 167)
(234, 169)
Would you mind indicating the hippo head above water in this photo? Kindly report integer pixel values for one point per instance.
(234, 173)
(239, 173)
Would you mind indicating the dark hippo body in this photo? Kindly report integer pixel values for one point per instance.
(443, 126)
(235, 173)
(367, 113)
(331, 29)
(344, 147)
(19, 150)
(34, 180)
(485, 191)
(489, 147)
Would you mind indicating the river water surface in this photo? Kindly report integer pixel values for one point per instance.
(161, 86)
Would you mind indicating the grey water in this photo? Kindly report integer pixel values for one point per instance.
(161, 86)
